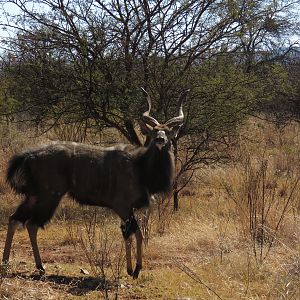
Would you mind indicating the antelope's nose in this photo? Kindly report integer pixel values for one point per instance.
(160, 140)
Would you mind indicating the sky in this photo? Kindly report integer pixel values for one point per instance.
(7, 10)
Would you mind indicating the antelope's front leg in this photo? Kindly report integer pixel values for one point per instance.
(128, 228)
(139, 242)
(128, 242)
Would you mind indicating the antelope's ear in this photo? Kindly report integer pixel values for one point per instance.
(145, 128)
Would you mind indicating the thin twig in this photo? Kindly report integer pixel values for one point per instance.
(181, 266)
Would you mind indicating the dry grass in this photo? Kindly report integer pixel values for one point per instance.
(207, 250)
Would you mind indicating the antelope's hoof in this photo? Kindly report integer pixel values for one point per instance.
(130, 271)
(5, 263)
(4, 268)
(136, 272)
(41, 269)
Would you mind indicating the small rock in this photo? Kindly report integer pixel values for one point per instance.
(83, 271)
(126, 285)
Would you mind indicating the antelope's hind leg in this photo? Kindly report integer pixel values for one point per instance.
(20, 216)
(12, 227)
(42, 211)
(32, 230)
(34, 212)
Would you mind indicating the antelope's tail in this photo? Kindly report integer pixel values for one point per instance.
(16, 175)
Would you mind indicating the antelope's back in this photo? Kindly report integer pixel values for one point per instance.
(89, 174)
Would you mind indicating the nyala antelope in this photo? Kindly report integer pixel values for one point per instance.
(122, 178)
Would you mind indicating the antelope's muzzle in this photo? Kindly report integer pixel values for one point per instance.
(161, 138)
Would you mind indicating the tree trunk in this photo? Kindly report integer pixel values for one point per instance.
(175, 200)
(175, 186)
(134, 139)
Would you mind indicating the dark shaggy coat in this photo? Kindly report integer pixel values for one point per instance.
(121, 178)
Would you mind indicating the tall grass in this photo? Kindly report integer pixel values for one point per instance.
(262, 203)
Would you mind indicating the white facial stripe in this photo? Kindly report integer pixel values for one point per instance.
(161, 134)
(160, 139)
